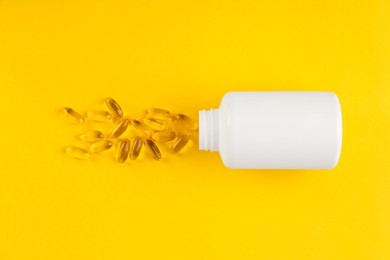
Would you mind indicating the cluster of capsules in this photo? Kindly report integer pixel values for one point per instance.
(158, 127)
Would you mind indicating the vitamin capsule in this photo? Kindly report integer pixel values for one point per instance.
(141, 128)
(135, 148)
(98, 116)
(180, 143)
(69, 111)
(158, 113)
(91, 136)
(114, 108)
(100, 146)
(119, 128)
(123, 150)
(186, 121)
(165, 136)
(154, 124)
(151, 145)
(77, 152)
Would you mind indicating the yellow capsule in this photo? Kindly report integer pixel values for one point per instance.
(114, 108)
(119, 128)
(151, 145)
(165, 136)
(69, 111)
(141, 128)
(100, 146)
(186, 121)
(154, 124)
(158, 113)
(123, 150)
(91, 136)
(180, 143)
(77, 152)
(99, 116)
(135, 148)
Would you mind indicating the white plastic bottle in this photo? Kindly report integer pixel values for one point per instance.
(274, 130)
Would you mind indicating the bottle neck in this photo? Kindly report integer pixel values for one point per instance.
(208, 130)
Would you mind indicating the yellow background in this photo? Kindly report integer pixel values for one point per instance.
(184, 56)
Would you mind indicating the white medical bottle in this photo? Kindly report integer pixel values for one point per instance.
(274, 130)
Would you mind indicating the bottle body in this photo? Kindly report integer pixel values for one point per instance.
(274, 130)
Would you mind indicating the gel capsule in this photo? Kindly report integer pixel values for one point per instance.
(77, 152)
(154, 124)
(151, 145)
(98, 116)
(100, 146)
(180, 143)
(69, 111)
(91, 136)
(123, 150)
(119, 128)
(165, 136)
(135, 148)
(158, 113)
(114, 108)
(141, 128)
(186, 121)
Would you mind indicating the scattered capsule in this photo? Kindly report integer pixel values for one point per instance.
(69, 111)
(135, 148)
(100, 146)
(119, 128)
(179, 144)
(123, 150)
(77, 152)
(151, 145)
(165, 136)
(186, 121)
(141, 128)
(91, 136)
(158, 113)
(98, 116)
(154, 128)
(114, 108)
(154, 124)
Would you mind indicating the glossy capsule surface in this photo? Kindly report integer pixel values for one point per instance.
(164, 136)
(77, 152)
(100, 146)
(91, 136)
(114, 108)
(136, 147)
(141, 128)
(73, 114)
(123, 150)
(158, 113)
(119, 128)
(186, 121)
(153, 148)
(98, 116)
(155, 124)
(179, 144)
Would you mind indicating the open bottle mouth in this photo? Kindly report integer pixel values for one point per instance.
(208, 130)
